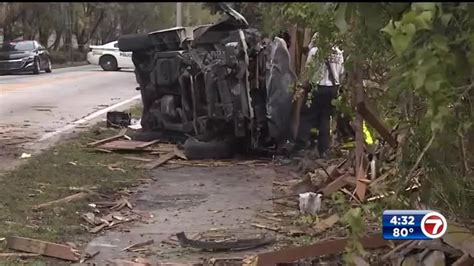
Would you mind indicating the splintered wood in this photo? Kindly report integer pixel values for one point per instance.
(74, 197)
(126, 145)
(43, 248)
(102, 141)
(138, 245)
(163, 159)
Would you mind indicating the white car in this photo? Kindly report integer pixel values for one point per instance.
(109, 57)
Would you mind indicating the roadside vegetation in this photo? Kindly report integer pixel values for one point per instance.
(64, 170)
(421, 57)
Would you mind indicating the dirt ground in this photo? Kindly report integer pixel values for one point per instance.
(223, 200)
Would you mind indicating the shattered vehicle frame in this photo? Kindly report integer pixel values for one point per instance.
(220, 85)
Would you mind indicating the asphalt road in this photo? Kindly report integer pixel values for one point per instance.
(38, 109)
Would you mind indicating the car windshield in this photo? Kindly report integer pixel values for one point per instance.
(17, 46)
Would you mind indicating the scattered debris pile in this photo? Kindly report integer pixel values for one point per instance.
(108, 215)
(122, 143)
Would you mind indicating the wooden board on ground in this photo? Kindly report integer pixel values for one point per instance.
(127, 145)
(102, 141)
(74, 197)
(325, 247)
(327, 223)
(43, 248)
(163, 159)
(138, 159)
(335, 185)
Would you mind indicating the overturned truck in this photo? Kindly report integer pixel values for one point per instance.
(219, 87)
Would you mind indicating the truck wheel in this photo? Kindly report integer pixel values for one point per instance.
(108, 63)
(194, 149)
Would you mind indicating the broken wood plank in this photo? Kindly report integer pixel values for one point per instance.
(266, 227)
(163, 159)
(78, 196)
(332, 172)
(102, 150)
(138, 245)
(464, 260)
(240, 244)
(138, 159)
(361, 187)
(126, 145)
(43, 248)
(322, 248)
(375, 122)
(397, 248)
(18, 255)
(180, 154)
(269, 218)
(327, 223)
(335, 185)
(102, 141)
(146, 144)
(98, 228)
(170, 242)
(89, 256)
(121, 262)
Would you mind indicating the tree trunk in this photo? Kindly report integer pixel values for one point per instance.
(44, 36)
(84, 37)
(81, 40)
(358, 96)
(57, 41)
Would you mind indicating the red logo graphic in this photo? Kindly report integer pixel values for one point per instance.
(434, 225)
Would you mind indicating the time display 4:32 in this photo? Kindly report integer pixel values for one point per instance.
(403, 220)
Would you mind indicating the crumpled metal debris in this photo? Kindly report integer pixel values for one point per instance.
(135, 124)
(310, 203)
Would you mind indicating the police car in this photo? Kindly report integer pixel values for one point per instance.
(109, 57)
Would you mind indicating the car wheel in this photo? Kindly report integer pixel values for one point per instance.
(194, 149)
(48, 68)
(108, 63)
(36, 66)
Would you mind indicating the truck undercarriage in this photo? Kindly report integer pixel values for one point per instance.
(219, 84)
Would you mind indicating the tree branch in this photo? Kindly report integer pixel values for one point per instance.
(420, 157)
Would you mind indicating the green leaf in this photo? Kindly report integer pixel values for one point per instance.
(440, 42)
(423, 6)
(432, 86)
(424, 20)
(401, 40)
(410, 29)
(419, 78)
(389, 29)
(470, 57)
(410, 17)
(445, 19)
(340, 19)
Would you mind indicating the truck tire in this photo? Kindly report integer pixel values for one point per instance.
(194, 149)
(134, 42)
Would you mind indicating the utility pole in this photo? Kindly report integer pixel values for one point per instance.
(70, 29)
(179, 14)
